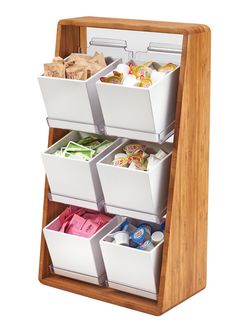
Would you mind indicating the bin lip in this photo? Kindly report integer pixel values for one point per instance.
(76, 236)
(93, 77)
(99, 82)
(102, 241)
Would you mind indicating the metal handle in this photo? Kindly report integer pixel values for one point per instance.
(164, 48)
(108, 42)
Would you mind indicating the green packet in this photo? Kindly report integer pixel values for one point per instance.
(82, 155)
(78, 151)
(87, 140)
(103, 145)
(73, 146)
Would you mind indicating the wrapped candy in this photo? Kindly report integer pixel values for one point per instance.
(145, 82)
(139, 71)
(135, 158)
(137, 165)
(121, 162)
(120, 155)
(115, 79)
(133, 147)
(167, 67)
(142, 75)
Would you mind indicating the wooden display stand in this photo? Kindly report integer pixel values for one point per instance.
(184, 261)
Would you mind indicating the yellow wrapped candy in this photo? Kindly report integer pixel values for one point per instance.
(139, 71)
(117, 78)
(145, 82)
(167, 67)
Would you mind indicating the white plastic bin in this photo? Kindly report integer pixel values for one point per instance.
(132, 270)
(74, 104)
(77, 257)
(136, 193)
(140, 113)
(74, 181)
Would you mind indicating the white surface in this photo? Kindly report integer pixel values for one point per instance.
(148, 110)
(74, 253)
(143, 191)
(28, 31)
(137, 42)
(72, 177)
(73, 100)
(132, 267)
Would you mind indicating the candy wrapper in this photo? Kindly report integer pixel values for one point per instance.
(121, 162)
(135, 157)
(167, 67)
(142, 75)
(136, 165)
(130, 149)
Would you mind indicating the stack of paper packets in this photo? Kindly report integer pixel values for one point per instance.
(85, 149)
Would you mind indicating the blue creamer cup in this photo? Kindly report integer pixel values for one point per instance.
(147, 246)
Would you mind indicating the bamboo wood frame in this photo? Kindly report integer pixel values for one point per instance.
(183, 271)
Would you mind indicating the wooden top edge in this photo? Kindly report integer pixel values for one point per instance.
(135, 24)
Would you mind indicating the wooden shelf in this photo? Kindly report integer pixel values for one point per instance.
(184, 260)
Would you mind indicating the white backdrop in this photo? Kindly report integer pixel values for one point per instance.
(27, 40)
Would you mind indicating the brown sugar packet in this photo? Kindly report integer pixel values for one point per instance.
(77, 72)
(94, 68)
(56, 70)
(99, 59)
(82, 58)
(58, 59)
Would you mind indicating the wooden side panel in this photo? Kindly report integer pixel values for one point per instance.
(68, 40)
(185, 249)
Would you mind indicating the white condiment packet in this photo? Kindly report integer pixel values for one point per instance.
(160, 154)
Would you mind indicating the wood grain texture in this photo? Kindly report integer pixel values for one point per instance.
(68, 40)
(184, 257)
(185, 249)
(133, 24)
